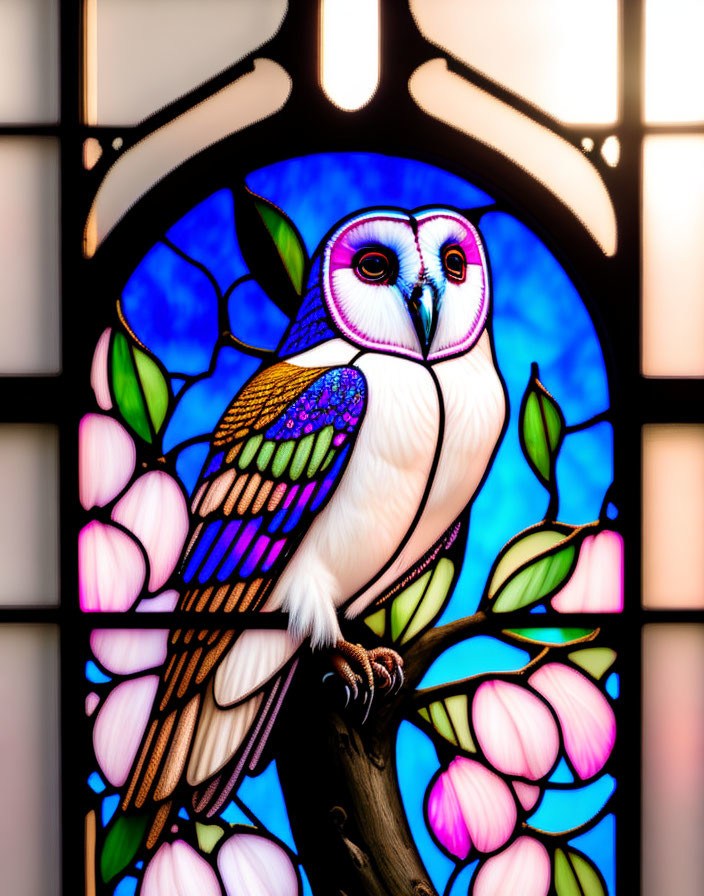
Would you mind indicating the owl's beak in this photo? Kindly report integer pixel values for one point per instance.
(422, 308)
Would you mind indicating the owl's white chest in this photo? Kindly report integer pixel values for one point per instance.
(473, 403)
(376, 503)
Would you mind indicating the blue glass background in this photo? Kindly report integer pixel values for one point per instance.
(171, 303)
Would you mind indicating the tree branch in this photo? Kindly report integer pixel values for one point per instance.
(431, 644)
(428, 695)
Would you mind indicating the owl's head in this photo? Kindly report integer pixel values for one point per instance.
(407, 283)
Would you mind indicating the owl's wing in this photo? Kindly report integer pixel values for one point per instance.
(275, 460)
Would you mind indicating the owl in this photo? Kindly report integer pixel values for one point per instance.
(331, 475)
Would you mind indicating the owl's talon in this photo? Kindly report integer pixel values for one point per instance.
(362, 671)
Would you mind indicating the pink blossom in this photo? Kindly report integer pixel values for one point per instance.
(178, 870)
(106, 459)
(515, 729)
(523, 868)
(471, 806)
(586, 718)
(248, 865)
(155, 510)
(596, 585)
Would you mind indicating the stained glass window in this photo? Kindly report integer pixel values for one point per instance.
(353, 444)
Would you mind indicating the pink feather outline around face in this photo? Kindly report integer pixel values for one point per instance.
(338, 255)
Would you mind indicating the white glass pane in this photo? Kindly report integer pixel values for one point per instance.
(29, 70)
(350, 51)
(674, 62)
(560, 55)
(141, 55)
(673, 771)
(673, 261)
(29, 771)
(557, 164)
(252, 97)
(29, 255)
(29, 557)
(673, 516)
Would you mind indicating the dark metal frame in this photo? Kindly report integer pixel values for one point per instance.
(391, 123)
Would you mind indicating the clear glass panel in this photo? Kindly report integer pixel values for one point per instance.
(673, 516)
(673, 772)
(252, 97)
(28, 515)
(29, 772)
(673, 263)
(29, 255)
(350, 51)
(141, 56)
(674, 64)
(557, 164)
(563, 57)
(29, 69)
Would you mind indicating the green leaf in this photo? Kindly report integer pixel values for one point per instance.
(450, 718)
(576, 876)
(550, 635)
(121, 844)
(541, 427)
(536, 581)
(596, 660)
(208, 836)
(288, 243)
(377, 622)
(417, 605)
(533, 566)
(140, 387)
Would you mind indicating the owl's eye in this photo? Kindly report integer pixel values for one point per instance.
(375, 265)
(454, 263)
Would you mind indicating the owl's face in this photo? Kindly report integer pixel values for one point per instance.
(411, 284)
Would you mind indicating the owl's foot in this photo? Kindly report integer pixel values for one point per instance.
(363, 671)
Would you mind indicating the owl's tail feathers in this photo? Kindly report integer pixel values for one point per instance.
(258, 715)
(160, 765)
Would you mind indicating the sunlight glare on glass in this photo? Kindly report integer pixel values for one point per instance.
(349, 51)
(674, 64)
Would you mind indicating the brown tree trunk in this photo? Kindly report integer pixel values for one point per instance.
(339, 779)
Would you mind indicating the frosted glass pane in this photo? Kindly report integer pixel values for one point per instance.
(29, 54)
(673, 771)
(141, 56)
(29, 255)
(674, 63)
(350, 51)
(673, 516)
(252, 97)
(560, 56)
(29, 771)
(557, 164)
(673, 261)
(29, 557)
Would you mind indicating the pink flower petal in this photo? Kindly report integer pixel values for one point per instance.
(162, 603)
(106, 459)
(155, 510)
(446, 818)
(178, 870)
(120, 725)
(515, 729)
(487, 804)
(250, 865)
(527, 794)
(124, 651)
(99, 371)
(587, 720)
(523, 868)
(596, 585)
(92, 701)
(111, 568)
